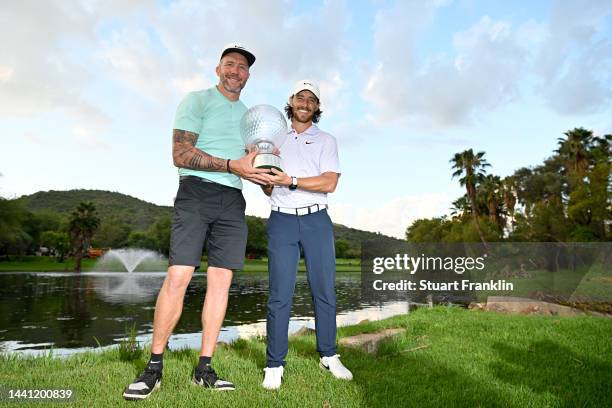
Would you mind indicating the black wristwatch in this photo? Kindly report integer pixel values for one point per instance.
(293, 184)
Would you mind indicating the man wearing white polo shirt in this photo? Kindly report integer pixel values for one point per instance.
(299, 218)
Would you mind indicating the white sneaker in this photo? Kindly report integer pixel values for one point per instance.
(335, 366)
(273, 377)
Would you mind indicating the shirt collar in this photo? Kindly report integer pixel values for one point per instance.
(311, 131)
(222, 97)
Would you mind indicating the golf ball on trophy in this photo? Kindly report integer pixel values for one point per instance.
(265, 127)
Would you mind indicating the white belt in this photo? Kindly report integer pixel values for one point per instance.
(300, 211)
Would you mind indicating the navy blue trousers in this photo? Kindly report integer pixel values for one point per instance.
(315, 234)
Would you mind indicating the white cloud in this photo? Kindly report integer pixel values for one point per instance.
(187, 84)
(44, 63)
(131, 57)
(6, 74)
(491, 63)
(38, 74)
(444, 90)
(32, 138)
(334, 95)
(391, 217)
(89, 138)
(59, 52)
(257, 202)
(182, 41)
(574, 61)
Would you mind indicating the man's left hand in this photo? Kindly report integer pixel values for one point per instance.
(279, 178)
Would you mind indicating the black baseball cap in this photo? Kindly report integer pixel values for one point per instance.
(239, 48)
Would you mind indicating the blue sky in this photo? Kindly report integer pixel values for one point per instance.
(88, 90)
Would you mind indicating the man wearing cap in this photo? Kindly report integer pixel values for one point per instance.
(210, 155)
(299, 218)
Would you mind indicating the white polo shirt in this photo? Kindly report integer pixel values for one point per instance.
(307, 154)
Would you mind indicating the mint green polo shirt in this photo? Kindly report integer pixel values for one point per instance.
(216, 120)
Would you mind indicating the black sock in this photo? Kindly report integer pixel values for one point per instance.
(157, 360)
(204, 361)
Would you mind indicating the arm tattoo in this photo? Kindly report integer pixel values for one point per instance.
(186, 155)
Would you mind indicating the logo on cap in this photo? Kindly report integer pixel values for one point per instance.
(306, 84)
(234, 47)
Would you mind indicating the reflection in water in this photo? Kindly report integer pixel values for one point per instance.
(128, 287)
(231, 333)
(71, 312)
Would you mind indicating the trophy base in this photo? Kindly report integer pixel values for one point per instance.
(267, 161)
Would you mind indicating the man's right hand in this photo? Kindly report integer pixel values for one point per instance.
(243, 168)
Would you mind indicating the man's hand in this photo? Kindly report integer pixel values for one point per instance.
(279, 178)
(243, 168)
(267, 189)
(323, 183)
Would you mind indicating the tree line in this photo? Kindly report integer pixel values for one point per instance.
(564, 199)
(24, 232)
(71, 234)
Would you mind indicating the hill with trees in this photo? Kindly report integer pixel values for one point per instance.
(43, 219)
(136, 213)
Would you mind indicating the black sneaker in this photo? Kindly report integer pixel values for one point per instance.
(144, 385)
(207, 378)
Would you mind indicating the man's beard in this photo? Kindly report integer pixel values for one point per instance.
(234, 89)
(309, 116)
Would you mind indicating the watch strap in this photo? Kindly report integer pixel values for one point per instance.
(293, 185)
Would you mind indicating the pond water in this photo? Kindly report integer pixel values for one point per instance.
(71, 312)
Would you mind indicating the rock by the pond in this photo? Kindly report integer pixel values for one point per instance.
(369, 341)
(509, 304)
(303, 331)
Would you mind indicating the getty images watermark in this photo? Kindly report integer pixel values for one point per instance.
(471, 272)
(413, 264)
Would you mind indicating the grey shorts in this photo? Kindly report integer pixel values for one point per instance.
(206, 211)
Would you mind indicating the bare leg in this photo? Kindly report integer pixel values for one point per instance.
(217, 292)
(169, 305)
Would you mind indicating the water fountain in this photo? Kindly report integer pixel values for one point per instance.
(131, 287)
(130, 258)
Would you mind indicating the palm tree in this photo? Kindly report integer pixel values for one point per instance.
(574, 151)
(509, 189)
(491, 190)
(461, 207)
(84, 222)
(599, 186)
(601, 148)
(522, 179)
(472, 169)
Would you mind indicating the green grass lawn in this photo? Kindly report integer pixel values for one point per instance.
(42, 264)
(47, 264)
(448, 357)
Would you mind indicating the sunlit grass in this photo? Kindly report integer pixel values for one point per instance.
(447, 357)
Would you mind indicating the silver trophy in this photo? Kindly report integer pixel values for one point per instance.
(264, 127)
